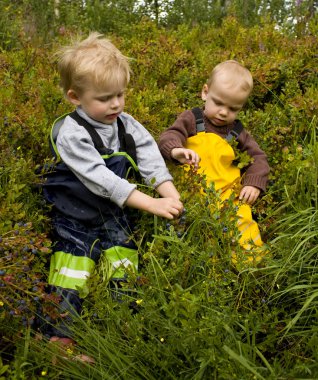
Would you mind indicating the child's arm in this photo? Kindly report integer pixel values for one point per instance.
(256, 174)
(168, 190)
(249, 194)
(168, 207)
(185, 156)
(176, 136)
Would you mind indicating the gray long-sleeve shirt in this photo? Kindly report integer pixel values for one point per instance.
(77, 151)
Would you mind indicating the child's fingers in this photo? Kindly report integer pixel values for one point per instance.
(245, 195)
(176, 209)
(192, 157)
(169, 207)
(249, 194)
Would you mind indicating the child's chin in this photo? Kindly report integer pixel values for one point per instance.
(110, 119)
(106, 120)
(218, 123)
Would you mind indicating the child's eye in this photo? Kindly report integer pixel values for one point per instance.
(104, 99)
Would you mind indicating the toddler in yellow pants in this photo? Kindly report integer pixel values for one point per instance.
(202, 136)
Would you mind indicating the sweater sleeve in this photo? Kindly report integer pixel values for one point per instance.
(257, 172)
(176, 135)
(150, 162)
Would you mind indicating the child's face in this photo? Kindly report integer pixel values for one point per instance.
(103, 106)
(222, 103)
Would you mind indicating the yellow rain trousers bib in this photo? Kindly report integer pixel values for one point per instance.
(217, 157)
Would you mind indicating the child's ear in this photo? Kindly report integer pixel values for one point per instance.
(204, 92)
(73, 97)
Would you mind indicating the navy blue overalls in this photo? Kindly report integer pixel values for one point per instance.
(86, 226)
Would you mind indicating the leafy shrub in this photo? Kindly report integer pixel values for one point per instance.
(199, 315)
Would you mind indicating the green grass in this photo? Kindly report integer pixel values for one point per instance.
(199, 315)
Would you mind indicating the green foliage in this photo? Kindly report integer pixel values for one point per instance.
(190, 313)
(23, 259)
(40, 21)
(242, 159)
(297, 234)
(179, 315)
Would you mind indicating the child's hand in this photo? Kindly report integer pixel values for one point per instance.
(185, 156)
(249, 194)
(168, 208)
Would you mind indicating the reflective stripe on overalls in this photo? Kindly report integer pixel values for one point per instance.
(69, 270)
(217, 156)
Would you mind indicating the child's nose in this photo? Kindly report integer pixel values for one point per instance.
(115, 102)
(223, 111)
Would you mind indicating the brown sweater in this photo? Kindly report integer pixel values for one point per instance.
(175, 136)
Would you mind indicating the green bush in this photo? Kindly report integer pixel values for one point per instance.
(199, 315)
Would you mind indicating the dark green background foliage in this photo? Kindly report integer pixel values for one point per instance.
(199, 316)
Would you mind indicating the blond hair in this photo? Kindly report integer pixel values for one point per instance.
(233, 75)
(92, 64)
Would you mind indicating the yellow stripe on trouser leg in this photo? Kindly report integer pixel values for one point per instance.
(120, 258)
(70, 272)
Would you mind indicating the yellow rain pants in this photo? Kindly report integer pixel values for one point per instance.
(217, 157)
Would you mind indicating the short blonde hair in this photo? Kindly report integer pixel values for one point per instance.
(92, 63)
(234, 74)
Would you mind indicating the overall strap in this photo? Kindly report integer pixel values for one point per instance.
(126, 141)
(198, 114)
(234, 133)
(98, 143)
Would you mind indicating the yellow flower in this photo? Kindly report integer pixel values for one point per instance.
(1, 303)
(69, 351)
(162, 340)
(138, 302)
(43, 373)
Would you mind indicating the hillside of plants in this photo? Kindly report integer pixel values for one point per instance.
(196, 314)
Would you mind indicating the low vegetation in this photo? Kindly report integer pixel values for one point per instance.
(190, 313)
